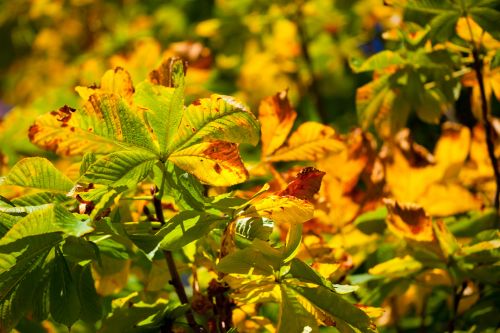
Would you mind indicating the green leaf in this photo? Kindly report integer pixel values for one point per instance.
(183, 187)
(293, 242)
(128, 312)
(472, 223)
(369, 99)
(186, 227)
(51, 218)
(20, 268)
(379, 61)
(254, 227)
(259, 258)
(127, 167)
(40, 199)
(164, 107)
(432, 105)
(64, 302)
(334, 305)
(397, 267)
(372, 222)
(91, 309)
(429, 6)
(293, 317)
(39, 173)
(216, 118)
(443, 25)
(105, 124)
(79, 249)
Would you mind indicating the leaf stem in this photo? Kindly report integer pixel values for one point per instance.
(174, 273)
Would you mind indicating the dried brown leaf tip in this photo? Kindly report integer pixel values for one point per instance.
(305, 185)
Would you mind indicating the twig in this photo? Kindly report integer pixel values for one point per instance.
(478, 68)
(172, 268)
(457, 296)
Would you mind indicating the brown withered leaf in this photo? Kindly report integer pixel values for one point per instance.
(163, 75)
(306, 184)
(276, 116)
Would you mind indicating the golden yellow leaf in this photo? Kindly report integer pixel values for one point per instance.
(310, 142)
(448, 199)
(285, 209)
(276, 116)
(217, 163)
(432, 181)
(469, 30)
(117, 81)
(409, 221)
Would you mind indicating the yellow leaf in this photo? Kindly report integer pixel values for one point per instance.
(276, 116)
(469, 30)
(112, 276)
(310, 142)
(409, 221)
(397, 267)
(285, 209)
(216, 163)
(116, 81)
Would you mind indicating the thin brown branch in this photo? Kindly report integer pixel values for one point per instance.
(174, 273)
(478, 68)
(458, 292)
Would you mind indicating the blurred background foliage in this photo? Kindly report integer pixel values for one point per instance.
(250, 49)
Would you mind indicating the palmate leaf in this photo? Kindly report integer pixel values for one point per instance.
(133, 137)
(39, 173)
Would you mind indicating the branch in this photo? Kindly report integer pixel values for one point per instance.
(478, 68)
(458, 292)
(172, 268)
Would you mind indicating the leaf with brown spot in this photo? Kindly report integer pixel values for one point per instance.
(216, 118)
(105, 124)
(309, 142)
(281, 209)
(117, 81)
(276, 116)
(409, 221)
(216, 163)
